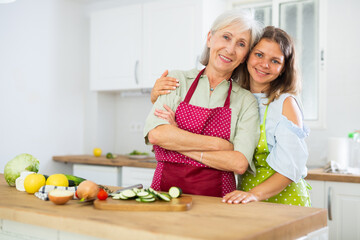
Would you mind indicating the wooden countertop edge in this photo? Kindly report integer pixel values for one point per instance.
(295, 229)
(119, 161)
(104, 230)
(124, 161)
(320, 175)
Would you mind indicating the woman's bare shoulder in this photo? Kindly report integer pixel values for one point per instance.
(292, 111)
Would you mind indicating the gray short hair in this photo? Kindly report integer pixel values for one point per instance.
(245, 19)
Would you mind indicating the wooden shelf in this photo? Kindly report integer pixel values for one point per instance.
(120, 160)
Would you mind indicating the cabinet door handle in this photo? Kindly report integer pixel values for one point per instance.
(329, 203)
(136, 72)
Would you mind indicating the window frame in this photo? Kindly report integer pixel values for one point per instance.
(321, 5)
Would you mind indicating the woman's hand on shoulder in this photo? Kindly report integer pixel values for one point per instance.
(292, 111)
(163, 85)
(167, 115)
(237, 196)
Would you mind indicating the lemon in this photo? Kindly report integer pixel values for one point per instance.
(33, 182)
(97, 152)
(57, 180)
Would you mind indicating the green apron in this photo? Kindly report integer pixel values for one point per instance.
(293, 194)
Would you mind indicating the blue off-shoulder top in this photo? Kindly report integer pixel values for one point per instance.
(286, 141)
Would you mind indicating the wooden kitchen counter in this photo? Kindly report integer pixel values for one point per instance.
(123, 160)
(120, 160)
(207, 219)
(320, 175)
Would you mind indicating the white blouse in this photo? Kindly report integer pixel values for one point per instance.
(286, 141)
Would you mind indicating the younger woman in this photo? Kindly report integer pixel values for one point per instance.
(281, 155)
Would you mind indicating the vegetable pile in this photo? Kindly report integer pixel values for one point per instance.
(147, 195)
(135, 152)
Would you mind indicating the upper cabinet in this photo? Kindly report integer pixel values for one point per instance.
(172, 35)
(115, 48)
(131, 46)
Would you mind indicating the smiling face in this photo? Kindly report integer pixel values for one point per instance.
(265, 63)
(228, 48)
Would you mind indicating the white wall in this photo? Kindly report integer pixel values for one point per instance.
(343, 82)
(43, 77)
(342, 86)
(46, 108)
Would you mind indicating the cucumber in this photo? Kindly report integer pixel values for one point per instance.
(128, 193)
(164, 197)
(145, 200)
(122, 197)
(116, 196)
(75, 179)
(148, 200)
(149, 196)
(175, 192)
(136, 190)
(142, 194)
(71, 183)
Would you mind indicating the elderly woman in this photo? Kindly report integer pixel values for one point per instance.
(217, 121)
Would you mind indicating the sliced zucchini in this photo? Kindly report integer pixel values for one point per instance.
(128, 193)
(175, 192)
(114, 194)
(164, 196)
(136, 190)
(122, 197)
(142, 194)
(116, 197)
(147, 199)
(149, 196)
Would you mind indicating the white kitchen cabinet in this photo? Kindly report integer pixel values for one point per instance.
(115, 176)
(317, 193)
(135, 175)
(104, 175)
(115, 48)
(172, 35)
(342, 200)
(131, 46)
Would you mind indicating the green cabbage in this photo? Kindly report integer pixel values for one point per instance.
(22, 162)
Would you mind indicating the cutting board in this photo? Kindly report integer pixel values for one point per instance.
(182, 203)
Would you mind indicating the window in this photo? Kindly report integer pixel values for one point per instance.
(303, 20)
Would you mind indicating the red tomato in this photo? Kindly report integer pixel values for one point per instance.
(76, 194)
(102, 195)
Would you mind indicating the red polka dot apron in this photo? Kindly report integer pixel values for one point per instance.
(293, 194)
(175, 169)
